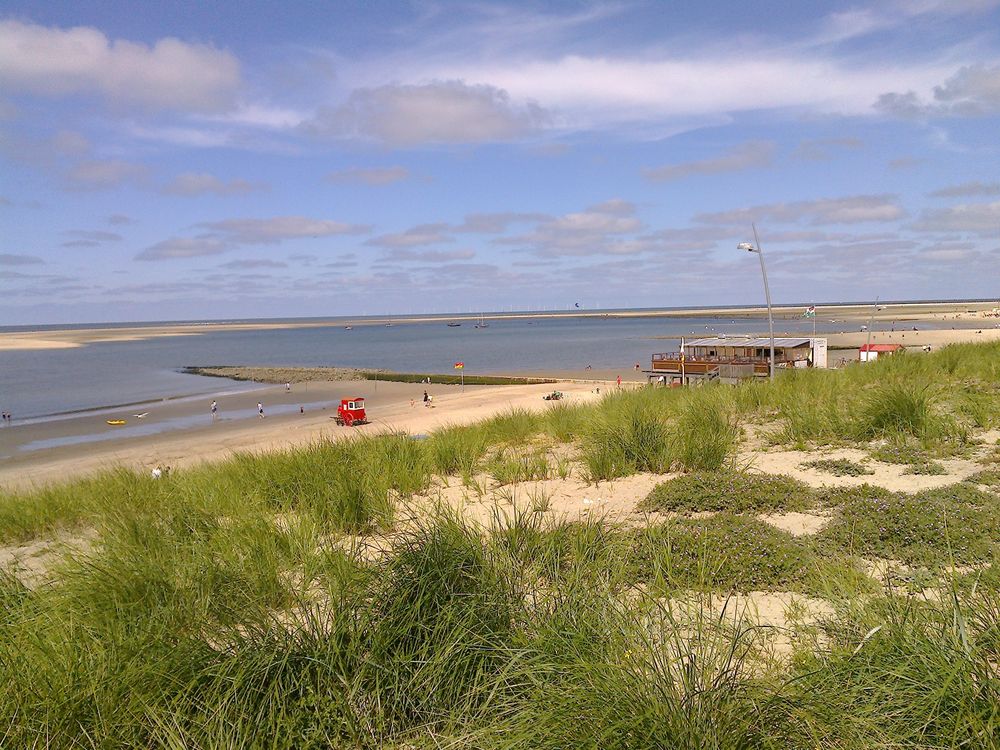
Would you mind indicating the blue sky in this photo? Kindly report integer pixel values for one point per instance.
(226, 160)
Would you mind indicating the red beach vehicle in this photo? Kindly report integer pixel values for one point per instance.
(351, 412)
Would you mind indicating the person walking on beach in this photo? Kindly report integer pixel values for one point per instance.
(619, 381)
(215, 410)
(288, 387)
(260, 410)
(427, 399)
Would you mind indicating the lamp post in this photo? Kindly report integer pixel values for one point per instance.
(756, 248)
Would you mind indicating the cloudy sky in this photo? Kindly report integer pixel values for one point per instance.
(192, 160)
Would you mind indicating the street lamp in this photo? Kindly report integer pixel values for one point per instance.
(756, 248)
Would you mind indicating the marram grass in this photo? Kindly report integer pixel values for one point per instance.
(280, 600)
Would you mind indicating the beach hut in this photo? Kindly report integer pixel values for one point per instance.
(869, 352)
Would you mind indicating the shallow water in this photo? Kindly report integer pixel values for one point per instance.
(44, 382)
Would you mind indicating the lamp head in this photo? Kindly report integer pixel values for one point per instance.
(746, 246)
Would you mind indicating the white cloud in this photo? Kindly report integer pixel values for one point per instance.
(98, 174)
(369, 175)
(171, 75)
(423, 234)
(821, 149)
(967, 189)
(973, 91)
(183, 247)
(605, 92)
(495, 223)
(9, 259)
(442, 112)
(848, 210)
(406, 255)
(977, 218)
(245, 264)
(90, 238)
(602, 228)
(279, 228)
(859, 22)
(742, 157)
(200, 183)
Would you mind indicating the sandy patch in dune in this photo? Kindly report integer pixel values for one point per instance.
(570, 499)
(31, 562)
(890, 476)
(796, 524)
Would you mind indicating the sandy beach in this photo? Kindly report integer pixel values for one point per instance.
(391, 406)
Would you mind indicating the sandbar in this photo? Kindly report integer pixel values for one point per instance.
(64, 338)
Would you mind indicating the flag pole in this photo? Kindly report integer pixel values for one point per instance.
(682, 360)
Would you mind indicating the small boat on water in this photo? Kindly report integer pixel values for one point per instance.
(348, 328)
(454, 325)
(482, 322)
(115, 422)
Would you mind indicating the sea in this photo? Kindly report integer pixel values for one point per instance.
(50, 383)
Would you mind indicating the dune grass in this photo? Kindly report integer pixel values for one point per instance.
(283, 600)
(181, 630)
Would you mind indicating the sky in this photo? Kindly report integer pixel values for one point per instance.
(191, 160)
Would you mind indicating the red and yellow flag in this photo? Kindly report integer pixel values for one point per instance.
(460, 365)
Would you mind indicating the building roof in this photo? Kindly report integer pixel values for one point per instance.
(881, 347)
(754, 342)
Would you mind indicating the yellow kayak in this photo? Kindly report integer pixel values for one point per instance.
(115, 422)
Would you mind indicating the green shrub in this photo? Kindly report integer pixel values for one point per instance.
(958, 523)
(989, 478)
(726, 551)
(840, 467)
(929, 468)
(829, 497)
(736, 492)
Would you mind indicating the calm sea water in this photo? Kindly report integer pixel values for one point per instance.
(57, 381)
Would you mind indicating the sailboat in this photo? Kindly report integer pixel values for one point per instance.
(482, 322)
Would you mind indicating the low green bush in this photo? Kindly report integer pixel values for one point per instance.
(840, 467)
(957, 523)
(733, 491)
(927, 468)
(723, 552)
